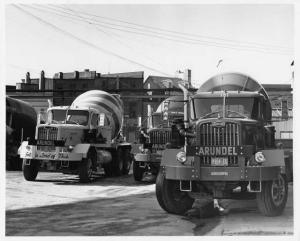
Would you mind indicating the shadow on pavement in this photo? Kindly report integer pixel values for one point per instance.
(128, 215)
(98, 180)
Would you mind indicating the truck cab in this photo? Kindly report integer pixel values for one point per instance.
(229, 150)
(245, 114)
(157, 136)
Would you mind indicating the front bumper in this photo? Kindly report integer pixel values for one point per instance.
(194, 170)
(221, 173)
(149, 158)
(56, 154)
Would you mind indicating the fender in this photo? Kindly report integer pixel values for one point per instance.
(169, 157)
(82, 148)
(22, 148)
(123, 144)
(135, 148)
(273, 157)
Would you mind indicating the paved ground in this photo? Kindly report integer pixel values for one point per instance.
(57, 204)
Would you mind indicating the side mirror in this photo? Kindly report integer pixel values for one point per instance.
(101, 120)
(40, 119)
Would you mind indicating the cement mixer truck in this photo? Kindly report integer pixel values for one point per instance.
(158, 135)
(20, 124)
(79, 139)
(229, 149)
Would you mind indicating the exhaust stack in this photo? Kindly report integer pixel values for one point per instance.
(185, 110)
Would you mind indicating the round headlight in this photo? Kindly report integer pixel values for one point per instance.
(259, 157)
(141, 148)
(181, 157)
(70, 148)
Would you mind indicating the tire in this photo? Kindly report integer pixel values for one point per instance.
(138, 171)
(127, 159)
(86, 169)
(30, 171)
(169, 196)
(272, 199)
(117, 163)
(154, 169)
(108, 169)
(158, 191)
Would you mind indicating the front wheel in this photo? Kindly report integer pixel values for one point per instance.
(86, 169)
(272, 199)
(138, 171)
(127, 159)
(30, 171)
(169, 196)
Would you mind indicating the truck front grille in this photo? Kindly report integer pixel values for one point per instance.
(227, 135)
(47, 133)
(160, 137)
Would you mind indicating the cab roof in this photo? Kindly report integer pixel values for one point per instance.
(71, 108)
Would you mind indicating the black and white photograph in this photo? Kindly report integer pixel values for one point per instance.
(149, 119)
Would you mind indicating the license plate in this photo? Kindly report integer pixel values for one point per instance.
(219, 161)
(46, 148)
(45, 142)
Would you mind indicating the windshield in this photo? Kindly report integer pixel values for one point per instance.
(235, 107)
(56, 116)
(78, 117)
(157, 119)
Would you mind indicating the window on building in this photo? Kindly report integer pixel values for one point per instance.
(286, 135)
(133, 110)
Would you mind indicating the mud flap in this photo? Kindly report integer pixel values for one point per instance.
(186, 186)
(27, 162)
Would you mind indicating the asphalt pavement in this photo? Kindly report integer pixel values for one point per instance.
(58, 205)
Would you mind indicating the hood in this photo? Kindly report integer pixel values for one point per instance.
(69, 133)
(226, 120)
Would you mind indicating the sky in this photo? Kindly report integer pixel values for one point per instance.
(161, 40)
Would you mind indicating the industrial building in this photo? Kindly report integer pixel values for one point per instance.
(63, 88)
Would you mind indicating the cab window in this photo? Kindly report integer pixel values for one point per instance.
(94, 121)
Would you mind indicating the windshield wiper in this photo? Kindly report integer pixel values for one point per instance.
(209, 114)
(240, 114)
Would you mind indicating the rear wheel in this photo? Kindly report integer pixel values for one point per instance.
(117, 163)
(108, 169)
(86, 168)
(30, 171)
(169, 196)
(272, 199)
(138, 171)
(127, 159)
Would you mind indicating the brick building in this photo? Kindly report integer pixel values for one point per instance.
(38, 100)
(65, 87)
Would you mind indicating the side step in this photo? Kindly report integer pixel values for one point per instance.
(254, 186)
